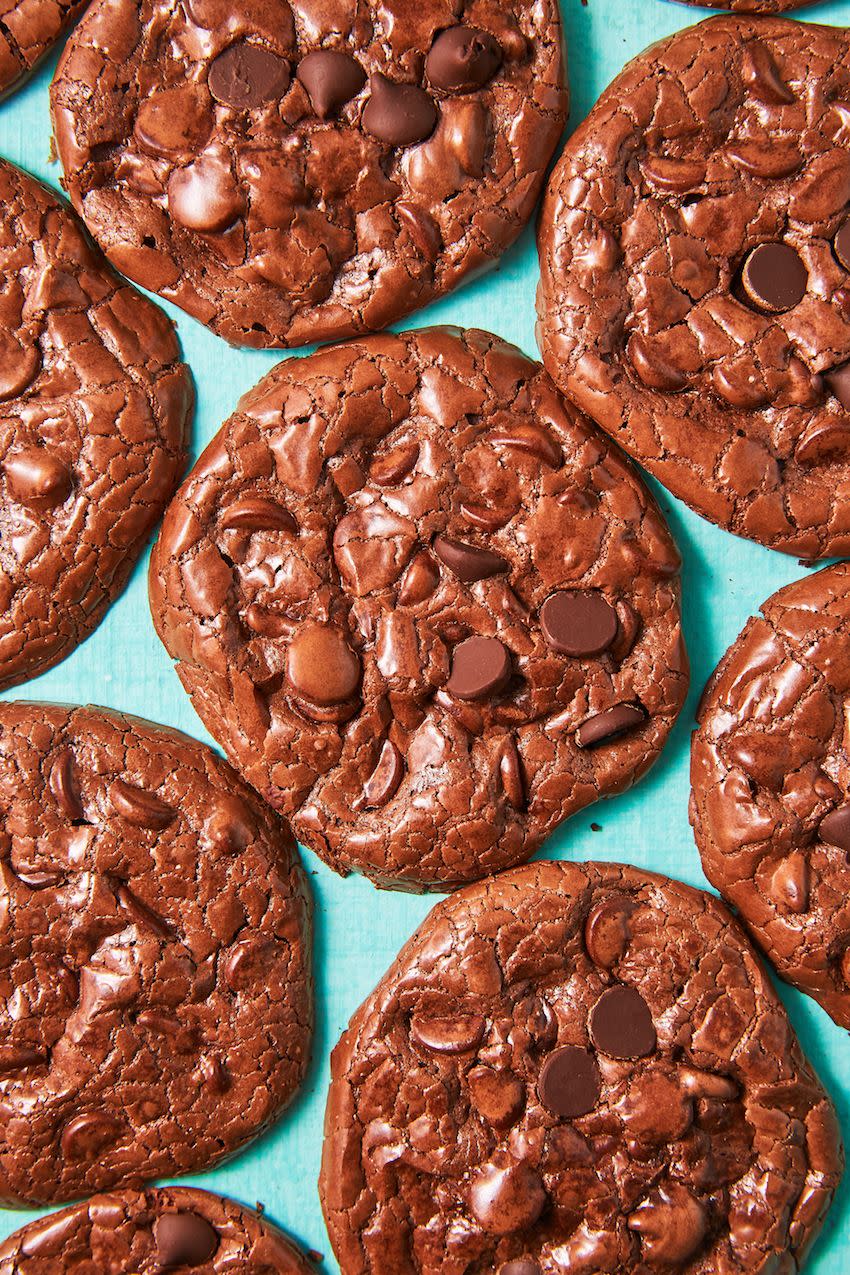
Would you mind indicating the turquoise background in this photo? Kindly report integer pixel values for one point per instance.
(359, 930)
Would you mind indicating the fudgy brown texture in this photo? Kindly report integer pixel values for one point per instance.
(146, 1233)
(575, 1067)
(94, 416)
(372, 581)
(155, 986)
(770, 768)
(222, 160)
(28, 30)
(730, 135)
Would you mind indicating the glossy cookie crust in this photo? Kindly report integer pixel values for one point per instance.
(770, 768)
(146, 1233)
(425, 607)
(28, 30)
(575, 1067)
(297, 172)
(94, 415)
(751, 6)
(695, 290)
(155, 959)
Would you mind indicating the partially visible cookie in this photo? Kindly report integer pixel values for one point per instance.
(695, 287)
(28, 30)
(146, 1233)
(298, 172)
(575, 1067)
(770, 768)
(425, 607)
(751, 6)
(156, 1002)
(94, 416)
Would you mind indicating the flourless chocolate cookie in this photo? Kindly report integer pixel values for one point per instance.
(575, 1067)
(770, 768)
(695, 292)
(751, 6)
(146, 1233)
(28, 30)
(156, 1011)
(94, 415)
(294, 172)
(425, 607)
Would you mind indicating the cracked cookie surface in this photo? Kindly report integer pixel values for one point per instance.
(426, 608)
(695, 289)
(28, 30)
(156, 1002)
(770, 769)
(94, 417)
(575, 1067)
(751, 6)
(145, 1233)
(295, 172)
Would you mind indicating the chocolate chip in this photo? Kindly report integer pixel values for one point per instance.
(841, 244)
(463, 59)
(384, 780)
(37, 478)
(331, 79)
(577, 623)
(321, 665)
(838, 381)
(621, 1025)
(468, 562)
(774, 277)
(481, 666)
(246, 75)
(521, 1267)
(569, 1082)
(604, 726)
(184, 1239)
(399, 114)
(834, 828)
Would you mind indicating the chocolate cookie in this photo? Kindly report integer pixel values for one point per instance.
(751, 6)
(28, 30)
(146, 1233)
(155, 965)
(575, 1067)
(424, 606)
(294, 172)
(695, 293)
(770, 767)
(94, 415)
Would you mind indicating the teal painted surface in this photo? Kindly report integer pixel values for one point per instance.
(358, 930)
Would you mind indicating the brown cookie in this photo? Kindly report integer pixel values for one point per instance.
(425, 607)
(294, 172)
(94, 416)
(695, 291)
(575, 1067)
(770, 768)
(155, 966)
(28, 30)
(147, 1233)
(751, 6)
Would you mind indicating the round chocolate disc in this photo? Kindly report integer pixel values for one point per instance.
(246, 75)
(774, 277)
(184, 1239)
(481, 666)
(569, 1082)
(578, 623)
(621, 1025)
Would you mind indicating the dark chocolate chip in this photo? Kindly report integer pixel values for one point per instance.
(399, 114)
(463, 59)
(774, 277)
(481, 666)
(835, 828)
(321, 665)
(604, 726)
(468, 562)
(621, 1025)
(247, 75)
(183, 1239)
(838, 381)
(331, 79)
(576, 623)
(521, 1267)
(841, 244)
(569, 1082)
(384, 780)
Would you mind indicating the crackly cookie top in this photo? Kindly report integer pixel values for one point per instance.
(575, 1067)
(751, 6)
(155, 968)
(94, 413)
(770, 768)
(28, 30)
(695, 292)
(147, 1233)
(290, 172)
(425, 607)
